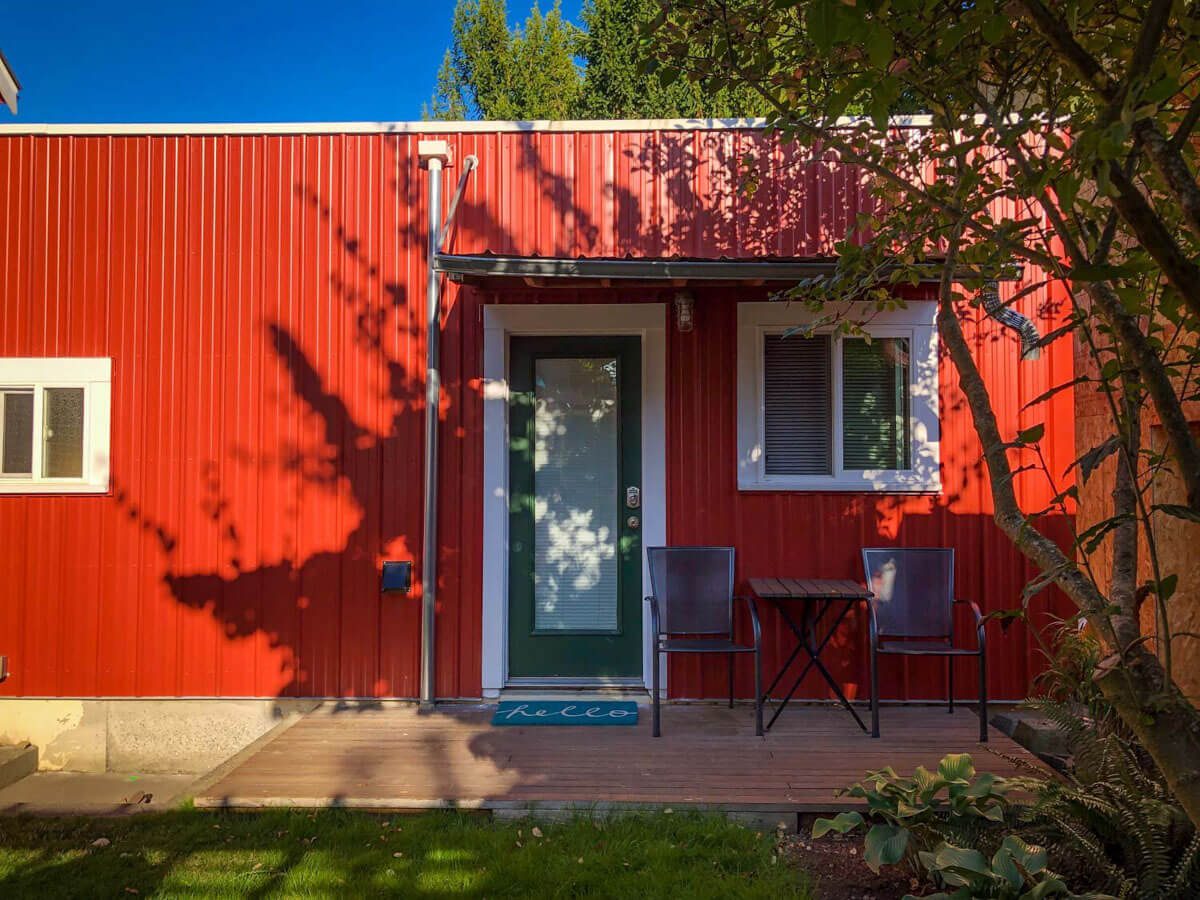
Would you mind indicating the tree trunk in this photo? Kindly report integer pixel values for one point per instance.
(1152, 706)
(1162, 718)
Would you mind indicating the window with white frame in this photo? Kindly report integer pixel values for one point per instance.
(826, 411)
(54, 425)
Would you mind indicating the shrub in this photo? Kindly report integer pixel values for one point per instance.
(910, 815)
(1016, 870)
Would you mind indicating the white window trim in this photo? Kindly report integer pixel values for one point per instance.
(917, 322)
(95, 377)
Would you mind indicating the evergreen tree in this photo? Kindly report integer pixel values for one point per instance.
(494, 72)
(448, 103)
(613, 86)
(533, 71)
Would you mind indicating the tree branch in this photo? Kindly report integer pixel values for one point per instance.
(1042, 551)
(1165, 156)
(1157, 382)
(1155, 238)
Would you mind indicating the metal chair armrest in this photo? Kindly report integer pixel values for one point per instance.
(654, 629)
(755, 624)
(872, 626)
(979, 621)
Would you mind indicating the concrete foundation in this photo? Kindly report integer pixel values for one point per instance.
(142, 736)
(16, 761)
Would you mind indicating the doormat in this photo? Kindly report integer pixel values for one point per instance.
(562, 712)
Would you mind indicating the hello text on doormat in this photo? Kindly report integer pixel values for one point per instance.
(560, 712)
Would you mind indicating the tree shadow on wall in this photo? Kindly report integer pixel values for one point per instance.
(353, 477)
(326, 472)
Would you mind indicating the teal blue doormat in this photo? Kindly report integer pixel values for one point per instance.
(566, 712)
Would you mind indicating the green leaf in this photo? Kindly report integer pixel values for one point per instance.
(1105, 272)
(1052, 887)
(821, 23)
(1004, 866)
(1031, 857)
(1092, 537)
(880, 46)
(884, 846)
(1032, 434)
(1167, 586)
(1178, 511)
(960, 865)
(995, 29)
(841, 823)
(957, 767)
(1090, 460)
(927, 784)
(993, 813)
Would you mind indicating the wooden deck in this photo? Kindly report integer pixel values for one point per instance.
(399, 758)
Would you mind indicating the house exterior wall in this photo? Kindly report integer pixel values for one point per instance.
(1175, 539)
(261, 299)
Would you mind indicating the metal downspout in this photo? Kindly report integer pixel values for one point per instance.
(435, 154)
(433, 397)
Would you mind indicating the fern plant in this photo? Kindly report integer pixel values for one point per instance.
(1114, 813)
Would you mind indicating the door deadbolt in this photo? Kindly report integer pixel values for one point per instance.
(633, 497)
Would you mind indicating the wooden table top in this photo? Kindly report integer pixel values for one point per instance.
(809, 589)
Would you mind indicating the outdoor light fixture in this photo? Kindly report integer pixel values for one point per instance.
(685, 311)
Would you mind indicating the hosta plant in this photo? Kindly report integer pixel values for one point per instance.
(908, 815)
(1016, 871)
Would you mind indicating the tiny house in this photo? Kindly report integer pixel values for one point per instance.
(216, 349)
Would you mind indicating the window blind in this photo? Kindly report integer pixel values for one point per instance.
(797, 407)
(875, 404)
(576, 471)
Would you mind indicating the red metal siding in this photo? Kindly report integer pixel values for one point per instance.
(261, 298)
(820, 534)
(267, 425)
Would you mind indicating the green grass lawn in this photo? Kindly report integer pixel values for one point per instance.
(188, 853)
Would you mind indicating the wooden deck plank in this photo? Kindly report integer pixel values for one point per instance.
(400, 758)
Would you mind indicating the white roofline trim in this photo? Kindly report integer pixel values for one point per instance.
(422, 128)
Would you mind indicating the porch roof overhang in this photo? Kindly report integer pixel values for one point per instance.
(9, 86)
(561, 271)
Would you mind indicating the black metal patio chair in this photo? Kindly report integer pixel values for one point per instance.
(912, 614)
(691, 611)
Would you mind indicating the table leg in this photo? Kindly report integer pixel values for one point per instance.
(791, 659)
(837, 690)
(806, 641)
(814, 650)
(788, 696)
(803, 634)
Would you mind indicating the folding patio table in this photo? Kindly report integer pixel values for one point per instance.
(816, 597)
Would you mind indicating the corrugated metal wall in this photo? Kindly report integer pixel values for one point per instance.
(261, 299)
(820, 534)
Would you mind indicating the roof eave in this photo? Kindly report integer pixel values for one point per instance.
(9, 85)
(460, 266)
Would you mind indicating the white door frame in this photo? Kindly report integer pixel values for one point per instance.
(500, 322)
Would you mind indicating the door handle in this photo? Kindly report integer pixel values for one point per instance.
(634, 522)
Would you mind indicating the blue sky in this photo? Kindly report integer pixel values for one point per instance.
(222, 61)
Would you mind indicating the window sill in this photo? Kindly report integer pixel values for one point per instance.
(883, 485)
(35, 488)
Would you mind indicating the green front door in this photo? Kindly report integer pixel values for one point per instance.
(575, 550)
